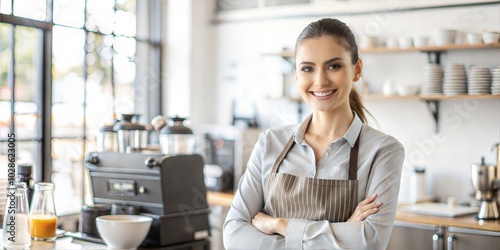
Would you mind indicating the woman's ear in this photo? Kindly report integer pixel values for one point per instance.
(358, 70)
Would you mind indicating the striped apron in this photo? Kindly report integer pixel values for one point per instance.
(289, 196)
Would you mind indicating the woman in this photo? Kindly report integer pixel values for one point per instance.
(303, 182)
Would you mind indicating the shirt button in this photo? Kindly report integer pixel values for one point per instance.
(326, 153)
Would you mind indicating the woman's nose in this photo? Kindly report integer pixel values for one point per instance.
(321, 78)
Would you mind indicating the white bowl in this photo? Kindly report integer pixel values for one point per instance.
(420, 41)
(444, 37)
(473, 38)
(490, 38)
(123, 231)
(391, 43)
(405, 42)
(406, 90)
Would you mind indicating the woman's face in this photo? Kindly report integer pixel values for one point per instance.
(325, 73)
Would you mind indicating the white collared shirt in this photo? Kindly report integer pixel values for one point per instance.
(378, 151)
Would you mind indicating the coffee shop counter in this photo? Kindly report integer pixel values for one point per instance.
(467, 221)
(63, 243)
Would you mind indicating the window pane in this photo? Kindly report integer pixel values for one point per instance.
(4, 119)
(69, 12)
(99, 88)
(27, 51)
(5, 54)
(125, 73)
(26, 152)
(100, 15)
(67, 156)
(6, 6)
(68, 51)
(125, 23)
(26, 119)
(26, 126)
(67, 120)
(31, 9)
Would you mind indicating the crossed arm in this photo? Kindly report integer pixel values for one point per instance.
(270, 225)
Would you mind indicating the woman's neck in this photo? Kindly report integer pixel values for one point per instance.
(333, 124)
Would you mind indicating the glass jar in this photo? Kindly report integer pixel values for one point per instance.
(43, 217)
(132, 137)
(177, 138)
(16, 231)
(107, 139)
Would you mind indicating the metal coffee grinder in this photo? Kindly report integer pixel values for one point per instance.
(486, 183)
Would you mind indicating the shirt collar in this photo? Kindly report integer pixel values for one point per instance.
(350, 136)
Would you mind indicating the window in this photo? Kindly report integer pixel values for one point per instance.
(66, 68)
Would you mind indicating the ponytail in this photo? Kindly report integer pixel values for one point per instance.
(357, 105)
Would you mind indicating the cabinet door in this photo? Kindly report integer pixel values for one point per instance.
(411, 236)
(466, 239)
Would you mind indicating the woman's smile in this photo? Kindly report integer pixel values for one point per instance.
(323, 94)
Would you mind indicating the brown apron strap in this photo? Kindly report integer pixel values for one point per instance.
(353, 161)
(280, 158)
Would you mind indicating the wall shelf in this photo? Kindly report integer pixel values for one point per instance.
(428, 98)
(432, 102)
(428, 48)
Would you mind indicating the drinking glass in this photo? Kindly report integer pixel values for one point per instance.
(16, 232)
(43, 218)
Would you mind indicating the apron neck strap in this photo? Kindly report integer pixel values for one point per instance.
(282, 155)
(353, 159)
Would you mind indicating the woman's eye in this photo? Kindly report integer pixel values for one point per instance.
(334, 66)
(306, 69)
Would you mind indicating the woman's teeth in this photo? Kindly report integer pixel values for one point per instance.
(321, 94)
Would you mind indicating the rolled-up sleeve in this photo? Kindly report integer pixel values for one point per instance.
(239, 233)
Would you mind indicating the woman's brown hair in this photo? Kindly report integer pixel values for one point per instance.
(338, 29)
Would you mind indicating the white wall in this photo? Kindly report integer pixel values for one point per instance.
(228, 61)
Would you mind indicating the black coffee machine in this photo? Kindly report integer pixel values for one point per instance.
(168, 188)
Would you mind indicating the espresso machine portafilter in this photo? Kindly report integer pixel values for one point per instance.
(486, 183)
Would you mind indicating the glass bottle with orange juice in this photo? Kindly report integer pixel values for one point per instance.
(43, 217)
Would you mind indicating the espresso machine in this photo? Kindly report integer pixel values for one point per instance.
(486, 183)
(168, 188)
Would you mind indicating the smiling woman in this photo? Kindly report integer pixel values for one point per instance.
(330, 182)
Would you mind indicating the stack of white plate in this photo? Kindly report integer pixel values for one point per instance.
(455, 79)
(479, 80)
(433, 80)
(495, 81)
(3, 195)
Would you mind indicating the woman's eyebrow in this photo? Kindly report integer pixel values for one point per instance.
(333, 60)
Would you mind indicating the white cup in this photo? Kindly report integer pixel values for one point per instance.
(420, 41)
(444, 37)
(473, 38)
(391, 42)
(405, 42)
(368, 42)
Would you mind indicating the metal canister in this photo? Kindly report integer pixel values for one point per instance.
(132, 137)
(107, 140)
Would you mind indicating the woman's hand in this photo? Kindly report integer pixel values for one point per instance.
(268, 224)
(365, 208)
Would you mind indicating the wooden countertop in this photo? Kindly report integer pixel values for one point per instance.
(219, 199)
(469, 221)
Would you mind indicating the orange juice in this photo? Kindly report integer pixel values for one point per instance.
(43, 226)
